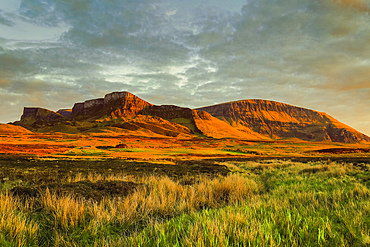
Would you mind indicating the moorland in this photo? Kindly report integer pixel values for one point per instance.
(219, 202)
(120, 171)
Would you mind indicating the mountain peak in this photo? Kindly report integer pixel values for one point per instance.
(113, 105)
(118, 95)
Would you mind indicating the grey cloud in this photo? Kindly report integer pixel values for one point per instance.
(12, 66)
(4, 20)
(192, 53)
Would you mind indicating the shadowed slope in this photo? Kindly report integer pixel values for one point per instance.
(281, 120)
(34, 114)
(199, 122)
(147, 126)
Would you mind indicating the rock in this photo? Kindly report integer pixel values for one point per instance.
(113, 105)
(33, 114)
(87, 108)
(123, 104)
(108, 98)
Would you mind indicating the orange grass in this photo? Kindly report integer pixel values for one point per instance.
(14, 224)
(159, 198)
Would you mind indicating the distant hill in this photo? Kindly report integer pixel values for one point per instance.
(279, 120)
(247, 119)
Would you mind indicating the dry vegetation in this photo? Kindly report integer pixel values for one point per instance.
(259, 203)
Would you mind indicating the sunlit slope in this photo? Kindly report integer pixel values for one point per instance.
(9, 129)
(279, 120)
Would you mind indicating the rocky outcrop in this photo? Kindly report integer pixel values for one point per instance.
(113, 105)
(87, 108)
(123, 104)
(34, 114)
(279, 120)
(108, 98)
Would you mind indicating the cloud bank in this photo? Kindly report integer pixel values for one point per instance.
(314, 54)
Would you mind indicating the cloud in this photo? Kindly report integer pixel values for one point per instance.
(10, 6)
(191, 53)
(8, 62)
(361, 5)
(10, 67)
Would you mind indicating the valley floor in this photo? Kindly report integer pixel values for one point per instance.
(166, 149)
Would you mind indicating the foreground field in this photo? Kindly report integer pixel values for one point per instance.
(198, 203)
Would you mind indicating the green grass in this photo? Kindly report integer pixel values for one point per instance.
(327, 208)
(86, 151)
(265, 203)
(185, 122)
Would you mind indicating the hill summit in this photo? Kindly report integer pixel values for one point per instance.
(124, 112)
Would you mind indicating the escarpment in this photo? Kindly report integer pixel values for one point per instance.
(279, 120)
(33, 114)
(113, 105)
(245, 119)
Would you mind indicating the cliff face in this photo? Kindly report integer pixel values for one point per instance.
(123, 104)
(34, 114)
(113, 105)
(281, 120)
(87, 108)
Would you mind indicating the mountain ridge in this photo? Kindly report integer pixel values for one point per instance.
(281, 120)
(246, 119)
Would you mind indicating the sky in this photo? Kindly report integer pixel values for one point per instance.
(192, 53)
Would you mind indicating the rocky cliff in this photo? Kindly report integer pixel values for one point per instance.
(113, 105)
(87, 108)
(279, 120)
(123, 104)
(34, 114)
